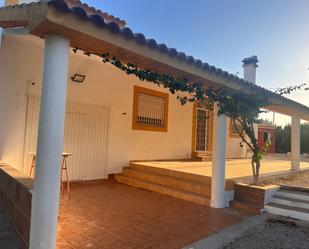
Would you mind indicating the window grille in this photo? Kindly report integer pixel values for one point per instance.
(201, 130)
(150, 110)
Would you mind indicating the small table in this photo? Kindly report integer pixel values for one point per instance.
(64, 167)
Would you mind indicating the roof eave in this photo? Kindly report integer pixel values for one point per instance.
(29, 15)
(40, 18)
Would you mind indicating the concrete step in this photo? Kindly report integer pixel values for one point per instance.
(291, 202)
(172, 173)
(287, 211)
(158, 188)
(204, 156)
(294, 188)
(184, 176)
(169, 181)
(299, 195)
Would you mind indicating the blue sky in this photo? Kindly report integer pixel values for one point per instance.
(223, 32)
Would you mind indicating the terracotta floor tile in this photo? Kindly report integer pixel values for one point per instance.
(141, 242)
(112, 215)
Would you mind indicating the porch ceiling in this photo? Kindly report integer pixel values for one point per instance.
(90, 30)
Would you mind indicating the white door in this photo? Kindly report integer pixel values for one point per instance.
(86, 130)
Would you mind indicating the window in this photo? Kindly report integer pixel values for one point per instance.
(201, 129)
(265, 136)
(150, 110)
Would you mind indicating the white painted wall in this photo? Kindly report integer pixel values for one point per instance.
(85, 135)
(13, 86)
(233, 149)
(21, 65)
(104, 85)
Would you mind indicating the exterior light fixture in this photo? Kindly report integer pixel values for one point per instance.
(79, 78)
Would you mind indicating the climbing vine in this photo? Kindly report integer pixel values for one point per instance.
(292, 88)
(243, 109)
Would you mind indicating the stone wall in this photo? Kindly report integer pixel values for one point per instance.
(15, 201)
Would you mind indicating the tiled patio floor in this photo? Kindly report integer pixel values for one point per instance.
(112, 215)
(235, 168)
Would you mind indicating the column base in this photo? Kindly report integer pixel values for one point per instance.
(217, 203)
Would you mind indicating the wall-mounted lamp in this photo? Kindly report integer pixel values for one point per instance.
(79, 78)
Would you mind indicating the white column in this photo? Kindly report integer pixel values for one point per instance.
(295, 143)
(45, 200)
(1, 34)
(218, 197)
(1, 30)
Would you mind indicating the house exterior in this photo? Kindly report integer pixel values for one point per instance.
(54, 100)
(105, 103)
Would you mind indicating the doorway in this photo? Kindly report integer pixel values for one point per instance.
(201, 131)
(85, 135)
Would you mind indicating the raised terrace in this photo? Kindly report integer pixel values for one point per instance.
(191, 180)
(236, 169)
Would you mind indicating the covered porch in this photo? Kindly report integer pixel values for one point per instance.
(63, 26)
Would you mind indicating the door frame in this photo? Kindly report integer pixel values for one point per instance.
(194, 152)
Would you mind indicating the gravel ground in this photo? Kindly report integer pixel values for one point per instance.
(299, 180)
(274, 234)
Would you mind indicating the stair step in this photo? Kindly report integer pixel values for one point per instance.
(199, 199)
(293, 194)
(172, 173)
(294, 188)
(204, 156)
(184, 176)
(292, 202)
(287, 211)
(168, 181)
